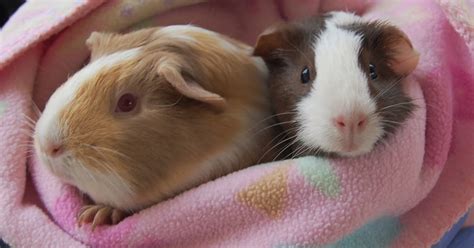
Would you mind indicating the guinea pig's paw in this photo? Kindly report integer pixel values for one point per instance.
(99, 215)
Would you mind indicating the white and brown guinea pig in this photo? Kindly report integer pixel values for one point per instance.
(154, 113)
(337, 82)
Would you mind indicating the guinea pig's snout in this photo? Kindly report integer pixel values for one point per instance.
(54, 149)
(350, 126)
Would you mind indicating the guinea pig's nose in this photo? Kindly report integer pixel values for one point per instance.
(350, 124)
(54, 149)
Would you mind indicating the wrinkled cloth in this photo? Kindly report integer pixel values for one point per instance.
(406, 193)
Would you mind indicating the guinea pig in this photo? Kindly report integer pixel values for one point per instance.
(155, 112)
(336, 82)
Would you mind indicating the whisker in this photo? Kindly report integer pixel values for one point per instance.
(297, 151)
(273, 147)
(29, 118)
(112, 172)
(26, 131)
(270, 117)
(315, 150)
(302, 151)
(382, 93)
(28, 123)
(109, 168)
(25, 145)
(281, 134)
(36, 109)
(274, 125)
(395, 105)
(109, 150)
(284, 149)
(86, 171)
(389, 121)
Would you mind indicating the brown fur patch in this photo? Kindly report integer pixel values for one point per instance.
(288, 49)
(379, 43)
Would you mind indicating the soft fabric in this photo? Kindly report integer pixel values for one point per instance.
(406, 193)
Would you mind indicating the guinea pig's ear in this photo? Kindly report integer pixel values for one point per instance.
(97, 44)
(188, 87)
(403, 58)
(270, 40)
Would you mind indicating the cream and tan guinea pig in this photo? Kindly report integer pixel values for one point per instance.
(155, 112)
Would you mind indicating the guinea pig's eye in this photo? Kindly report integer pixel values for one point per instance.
(126, 103)
(305, 75)
(372, 73)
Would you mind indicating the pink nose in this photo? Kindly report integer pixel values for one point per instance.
(350, 124)
(54, 149)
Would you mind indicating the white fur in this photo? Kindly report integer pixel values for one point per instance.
(104, 187)
(182, 29)
(48, 129)
(343, 18)
(178, 32)
(181, 33)
(340, 88)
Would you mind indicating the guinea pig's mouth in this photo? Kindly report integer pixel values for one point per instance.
(330, 142)
(354, 150)
(59, 166)
(340, 151)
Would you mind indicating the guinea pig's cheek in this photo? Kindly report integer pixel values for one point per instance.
(311, 126)
(366, 141)
(45, 162)
(60, 167)
(56, 167)
(374, 132)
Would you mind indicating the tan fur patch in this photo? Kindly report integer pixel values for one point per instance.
(160, 149)
(102, 44)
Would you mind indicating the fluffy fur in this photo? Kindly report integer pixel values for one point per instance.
(341, 110)
(339, 89)
(201, 99)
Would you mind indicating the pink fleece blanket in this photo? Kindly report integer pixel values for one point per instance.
(404, 194)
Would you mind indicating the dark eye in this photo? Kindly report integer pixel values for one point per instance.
(305, 75)
(372, 73)
(126, 103)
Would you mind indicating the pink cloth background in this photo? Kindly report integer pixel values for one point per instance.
(421, 182)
